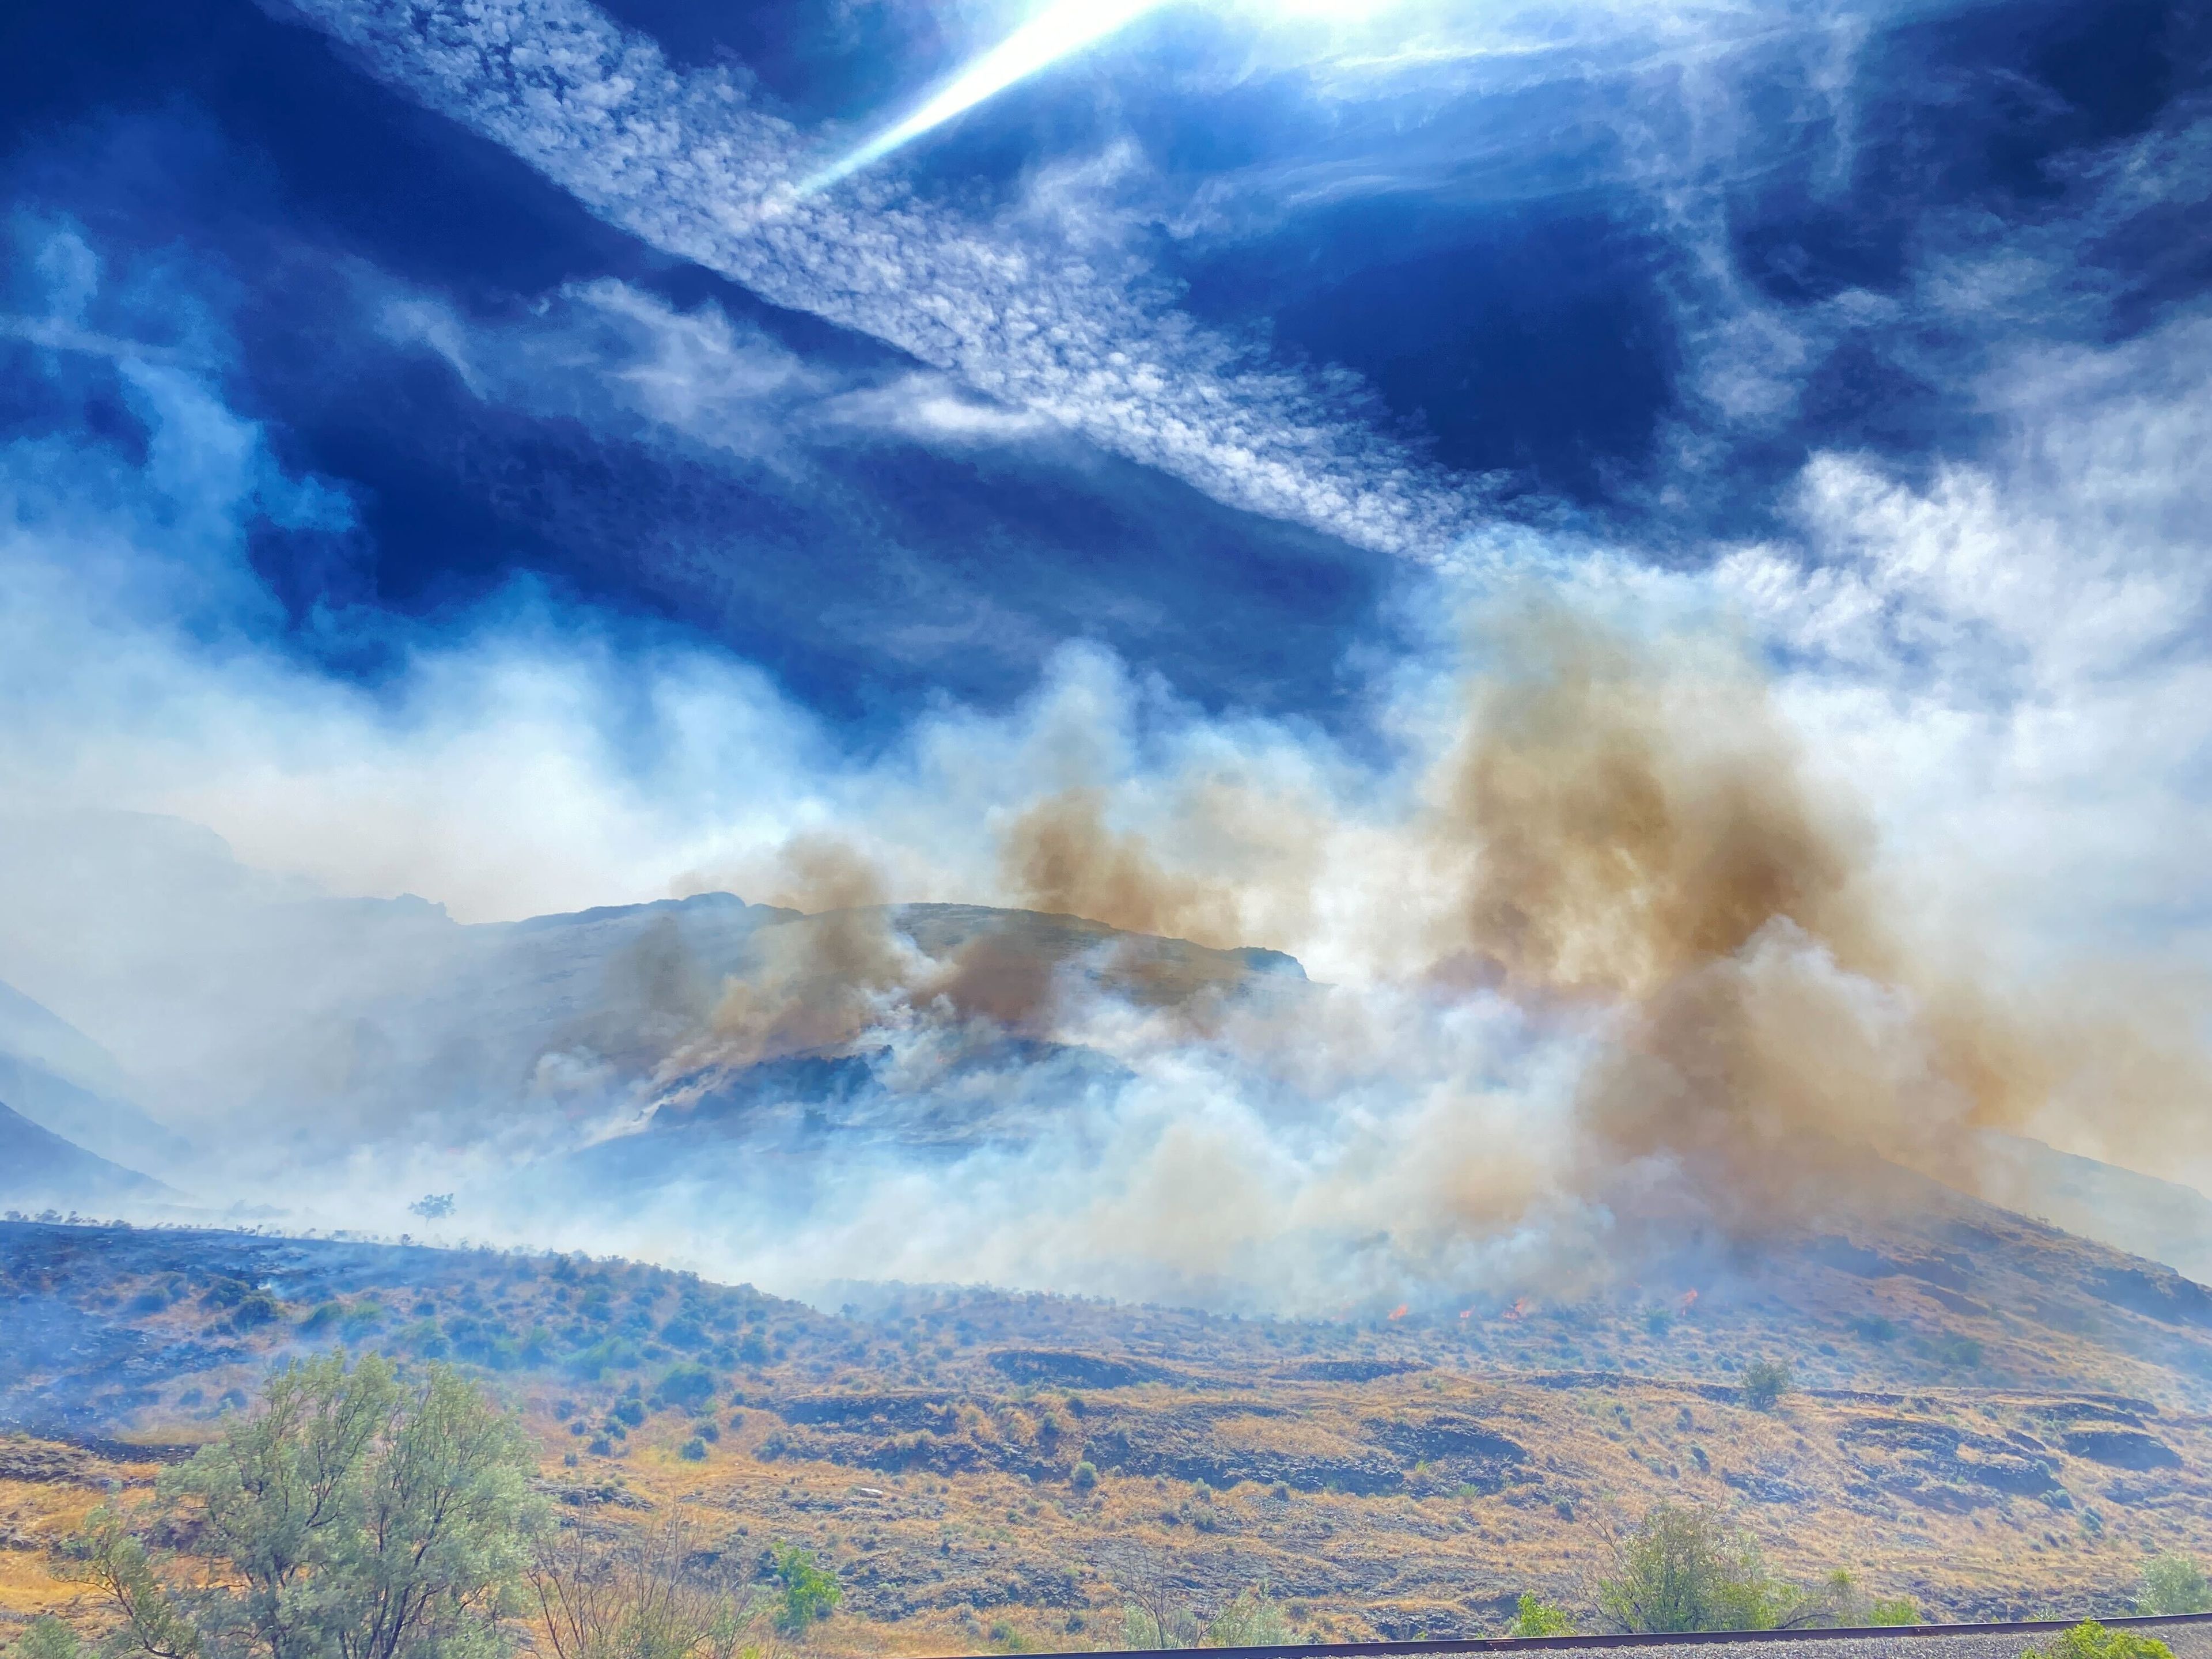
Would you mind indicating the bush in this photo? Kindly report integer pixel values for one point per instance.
(631, 1411)
(1686, 1569)
(1537, 1616)
(693, 1450)
(688, 1386)
(1084, 1476)
(810, 1592)
(351, 1513)
(630, 1598)
(1764, 1383)
(1958, 1353)
(1249, 1619)
(2091, 1640)
(1893, 1610)
(2174, 1583)
(47, 1638)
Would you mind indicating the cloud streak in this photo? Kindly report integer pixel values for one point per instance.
(688, 163)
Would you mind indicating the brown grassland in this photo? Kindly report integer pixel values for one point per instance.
(2002, 1450)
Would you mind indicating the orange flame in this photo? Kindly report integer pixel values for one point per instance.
(1398, 1312)
(1689, 1300)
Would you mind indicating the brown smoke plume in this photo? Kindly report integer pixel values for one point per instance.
(1623, 838)
(817, 985)
(1059, 857)
(1609, 824)
(1635, 830)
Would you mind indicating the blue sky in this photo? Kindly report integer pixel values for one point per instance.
(1209, 345)
(1613, 272)
(443, 452)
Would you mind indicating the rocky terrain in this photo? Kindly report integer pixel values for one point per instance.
(1383, 1476)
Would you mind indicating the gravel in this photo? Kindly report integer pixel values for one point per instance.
(2191, 1641)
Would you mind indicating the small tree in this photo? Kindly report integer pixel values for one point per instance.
(351, 1515)
(1686, 1569)
(1155, 1613)
(1537, 1616)
(2174, 1583)
(1764, 1383)
(811, 1592)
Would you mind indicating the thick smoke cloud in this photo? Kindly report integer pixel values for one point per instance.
(1645, 914)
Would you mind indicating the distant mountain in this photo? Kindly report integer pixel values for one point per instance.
(38, 1167)
(62, 1080)
(763, 1112)
(2141, 1214)
(596, 1012)
(38, 1036)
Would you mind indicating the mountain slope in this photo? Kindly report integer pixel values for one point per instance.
(62, 1080)
(1392, 1475)
(2139, 1213)
(37, 1166)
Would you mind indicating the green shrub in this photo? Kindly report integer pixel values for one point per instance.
(2091, 1640)
(1084, 1476)
(1764, 1383)
(1537, 1616)
(2174, 1583)
(693, 1450)
(1686, 1568)
(1248, 1619)
(687, 1386)
(255, 1311)
(46, 1638)
(1893, 1610)
(811, 1592)
(631, 1411)
(1958, 1353)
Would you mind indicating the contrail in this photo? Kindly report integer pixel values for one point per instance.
(1066, 27)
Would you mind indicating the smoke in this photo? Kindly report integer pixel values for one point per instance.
(1623, 925)
(1640, 981)
(1614, 818)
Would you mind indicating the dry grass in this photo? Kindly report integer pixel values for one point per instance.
(923, 1447)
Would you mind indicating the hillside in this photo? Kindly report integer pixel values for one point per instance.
(1386, 1475)
(38, 1168)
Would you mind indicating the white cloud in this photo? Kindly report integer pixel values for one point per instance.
(2006, 657)
(1018, 312)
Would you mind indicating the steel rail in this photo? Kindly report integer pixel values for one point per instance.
(1680, 1638)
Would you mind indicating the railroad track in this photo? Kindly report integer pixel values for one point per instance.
(2026, 1629)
